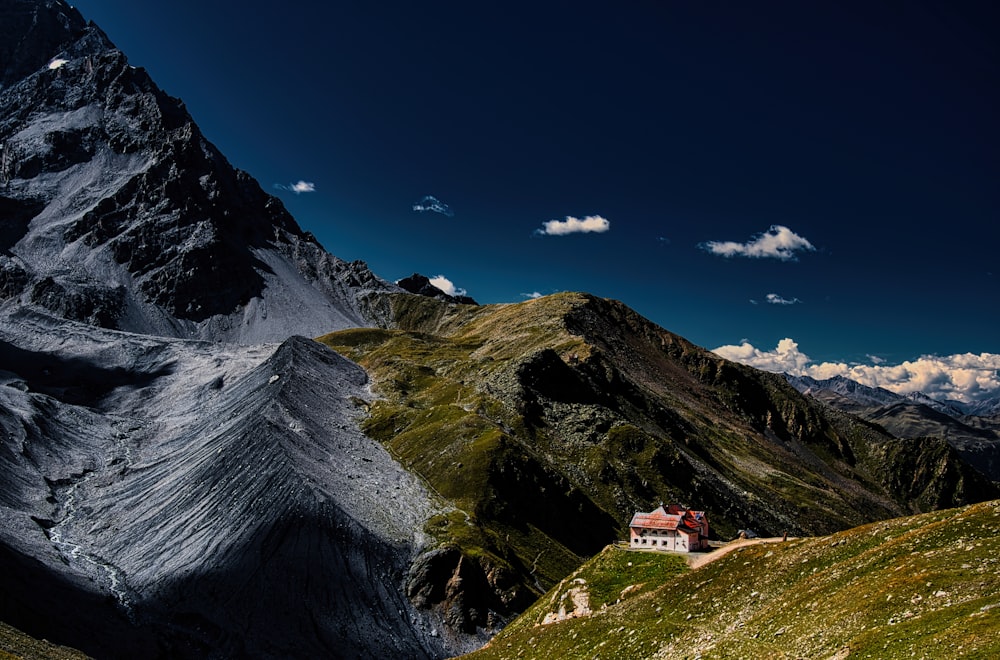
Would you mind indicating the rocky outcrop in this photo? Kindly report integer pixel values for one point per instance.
(421, 285)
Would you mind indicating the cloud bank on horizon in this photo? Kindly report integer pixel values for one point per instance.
(965, 377)
(778, 242)
(433, 204)
(591, 224)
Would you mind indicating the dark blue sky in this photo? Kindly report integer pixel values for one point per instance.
(868, 129)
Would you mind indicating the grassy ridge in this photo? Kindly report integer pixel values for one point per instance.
(547, 423)
(438, 419)
(922, 586)
(16, 644)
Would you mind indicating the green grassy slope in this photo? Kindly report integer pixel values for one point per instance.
(548, 423)
(925, 586)
(16, 644)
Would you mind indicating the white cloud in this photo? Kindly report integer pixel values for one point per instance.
(778, 242)
(775, 299)
(785, 358)
(591, 224)
(532, 296)
(57, 63)
(965, 377)
(446, 285)
(298, 187)
(431, 203)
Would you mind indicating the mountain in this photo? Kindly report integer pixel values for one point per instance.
(421, 284)
(844, 390)
(164, 495)
(549, 422)
(116, 210)
(187, 474)
(976, 438)
(927, 584)
(989, 408)
(169, 497)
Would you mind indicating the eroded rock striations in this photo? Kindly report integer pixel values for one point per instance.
(180, 498)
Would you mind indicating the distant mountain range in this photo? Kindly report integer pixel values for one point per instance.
(878, 396)
(973, 429)
(186, 473)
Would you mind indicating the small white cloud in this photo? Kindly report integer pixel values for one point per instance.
(446, 285)
(57, 63)
(965, 377)
(778, 242)
(431, 203)
(591, 224)
(874, 359)
(775, 299)
(298, 187)
(532, 296)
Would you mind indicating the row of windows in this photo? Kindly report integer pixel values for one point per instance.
(663, 542)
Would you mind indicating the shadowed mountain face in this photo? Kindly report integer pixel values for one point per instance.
(116, 211)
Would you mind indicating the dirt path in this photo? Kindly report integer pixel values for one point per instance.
(698, 560)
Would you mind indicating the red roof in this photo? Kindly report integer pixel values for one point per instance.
(675, 520)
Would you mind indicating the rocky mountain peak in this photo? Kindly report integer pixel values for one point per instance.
(118, 212)
(34, 33)
(422, 285)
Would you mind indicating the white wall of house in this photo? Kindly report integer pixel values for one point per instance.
(660, 539)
